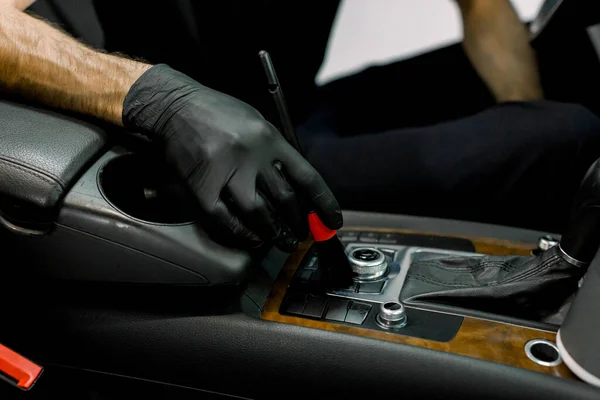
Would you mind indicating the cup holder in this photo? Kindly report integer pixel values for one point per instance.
(145, 189)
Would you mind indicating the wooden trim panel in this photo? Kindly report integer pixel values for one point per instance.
(477, 338)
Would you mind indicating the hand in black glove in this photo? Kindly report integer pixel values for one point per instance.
(241, 170)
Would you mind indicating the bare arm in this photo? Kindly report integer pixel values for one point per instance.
(42, 63)
(497, 43)
(19, 4)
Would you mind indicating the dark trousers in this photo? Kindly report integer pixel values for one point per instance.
(424, 137)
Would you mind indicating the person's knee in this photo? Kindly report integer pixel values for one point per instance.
(574, 121)
(550, 124)
(570, 142)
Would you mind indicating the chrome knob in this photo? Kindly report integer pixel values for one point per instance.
(367, 263)
(392, 314)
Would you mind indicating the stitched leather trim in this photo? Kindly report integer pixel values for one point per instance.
(38, 175)
(31, 170)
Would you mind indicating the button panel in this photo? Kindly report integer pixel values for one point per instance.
(328, 308)
(308, 295)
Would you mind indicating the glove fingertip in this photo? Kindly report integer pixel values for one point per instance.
(338, 220)
(332, 219)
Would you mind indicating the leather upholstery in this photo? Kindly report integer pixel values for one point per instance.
(534, 288)
(41, 155)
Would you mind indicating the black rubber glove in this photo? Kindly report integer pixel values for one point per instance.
(245, 176)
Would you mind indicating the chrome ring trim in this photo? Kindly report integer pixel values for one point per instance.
(572, 260)
(536, 360)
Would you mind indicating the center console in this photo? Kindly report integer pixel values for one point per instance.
(502, 301)
(372, 307)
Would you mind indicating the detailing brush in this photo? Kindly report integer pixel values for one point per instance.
(330, 250)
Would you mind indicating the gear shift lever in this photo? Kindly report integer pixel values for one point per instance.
(581, 240)
(536, 288)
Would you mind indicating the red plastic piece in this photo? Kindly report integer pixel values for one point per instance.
(18, 368)
(318, 229)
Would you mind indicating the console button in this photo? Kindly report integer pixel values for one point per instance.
(369, 237)
(312, 264)
(316, 276)
(305, 275)
(370, 287)
(392, 314)
(315, 306)
(388, 252)
(357, 313)
(295, 304)
(351, 288)
(338, 308)
(348, 236)
(388, 238)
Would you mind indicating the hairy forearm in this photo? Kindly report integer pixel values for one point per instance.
(497, 43)
(19, 4)
(42, 63)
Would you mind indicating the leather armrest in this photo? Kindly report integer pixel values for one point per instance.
(41, 155)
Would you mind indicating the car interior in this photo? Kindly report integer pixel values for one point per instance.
(112, 284)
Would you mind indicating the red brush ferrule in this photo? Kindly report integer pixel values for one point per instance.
(318, 229)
